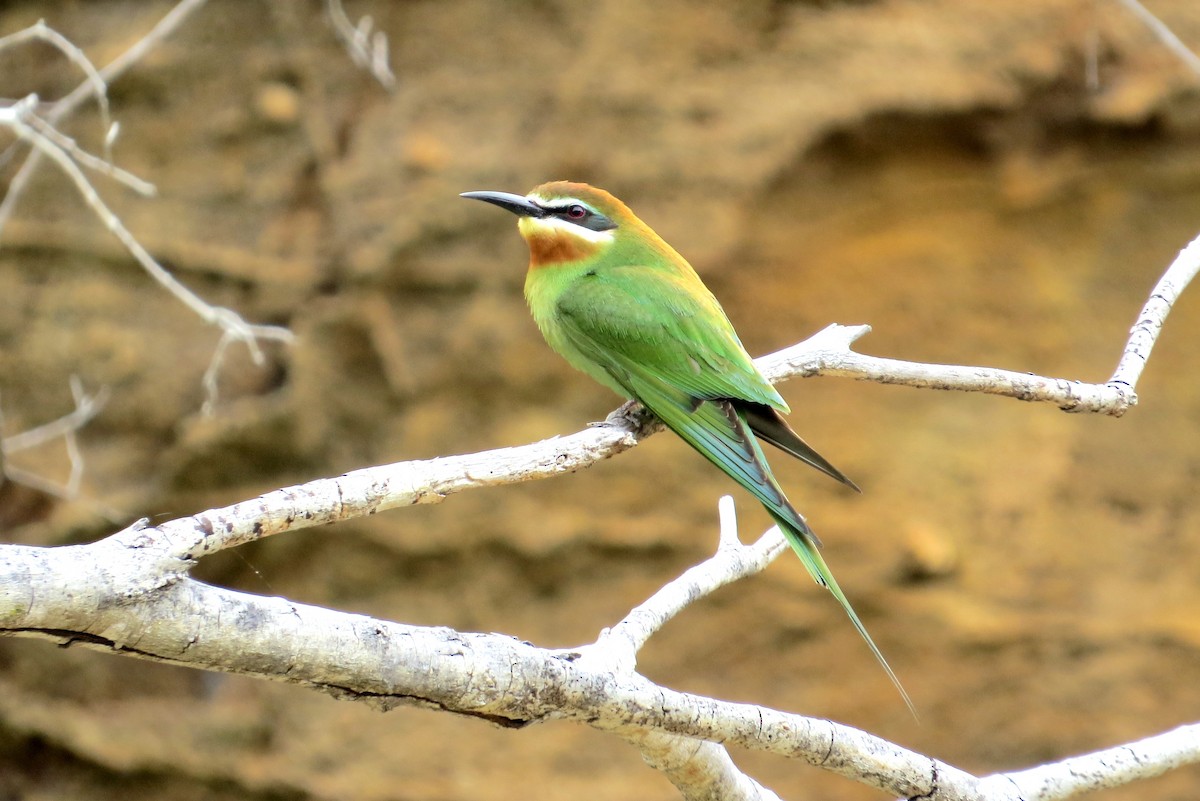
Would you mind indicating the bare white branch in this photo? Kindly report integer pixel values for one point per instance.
(1101, 770)
(1164, 34)
(620, 644)
(833, 357)
(131, 593)
(110, 139)
(1150, 321)
(71, 594)
(95, 82)
(226, 319)
(170, 547)
(213, 372)
(368, 49)
(131, 597)
(69, 146)
(676, 720)
(376, 489)
(74, 455)
(231, 324)
(46, 140)
(700, 770)
(828, 353)
(60, 109)
(86, 407)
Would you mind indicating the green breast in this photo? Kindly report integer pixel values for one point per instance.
(543, 288)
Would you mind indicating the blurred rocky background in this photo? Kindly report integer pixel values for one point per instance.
(996, 183)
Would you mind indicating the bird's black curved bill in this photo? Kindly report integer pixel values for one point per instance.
(517, 204)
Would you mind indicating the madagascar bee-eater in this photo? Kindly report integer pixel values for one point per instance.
(621, 305)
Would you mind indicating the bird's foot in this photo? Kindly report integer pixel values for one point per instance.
(629, 414)
(633, 417)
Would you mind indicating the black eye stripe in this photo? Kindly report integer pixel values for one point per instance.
(564, 210)
(579, 214)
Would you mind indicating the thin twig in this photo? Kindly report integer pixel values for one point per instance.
(829, 353)
(60, 109)
(732, 561)
(368, 49)
(700, 771)
(86, 407)
(225, 318)
(74, 455)
(213, 372)
(47, 141)
(1150, 321)
(94, 82)
(28, 478)
(66, 143)
(231, 324)
(1164, 34)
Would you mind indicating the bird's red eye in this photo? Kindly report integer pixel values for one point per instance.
(576, 212)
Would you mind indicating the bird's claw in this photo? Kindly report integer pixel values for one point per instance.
(628, 414)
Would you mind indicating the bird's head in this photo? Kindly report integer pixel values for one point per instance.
(567, 222)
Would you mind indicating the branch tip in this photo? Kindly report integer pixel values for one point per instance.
(728, 534)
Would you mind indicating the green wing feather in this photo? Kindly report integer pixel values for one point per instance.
(667, 343)
(664, 322)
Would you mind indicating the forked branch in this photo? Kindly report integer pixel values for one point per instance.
(45, 140)
(122, 597)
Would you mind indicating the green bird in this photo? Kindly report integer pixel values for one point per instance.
(623, 306)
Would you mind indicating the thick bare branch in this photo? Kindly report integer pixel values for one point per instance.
(131, 598)
(98, 595)
(131, 594)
